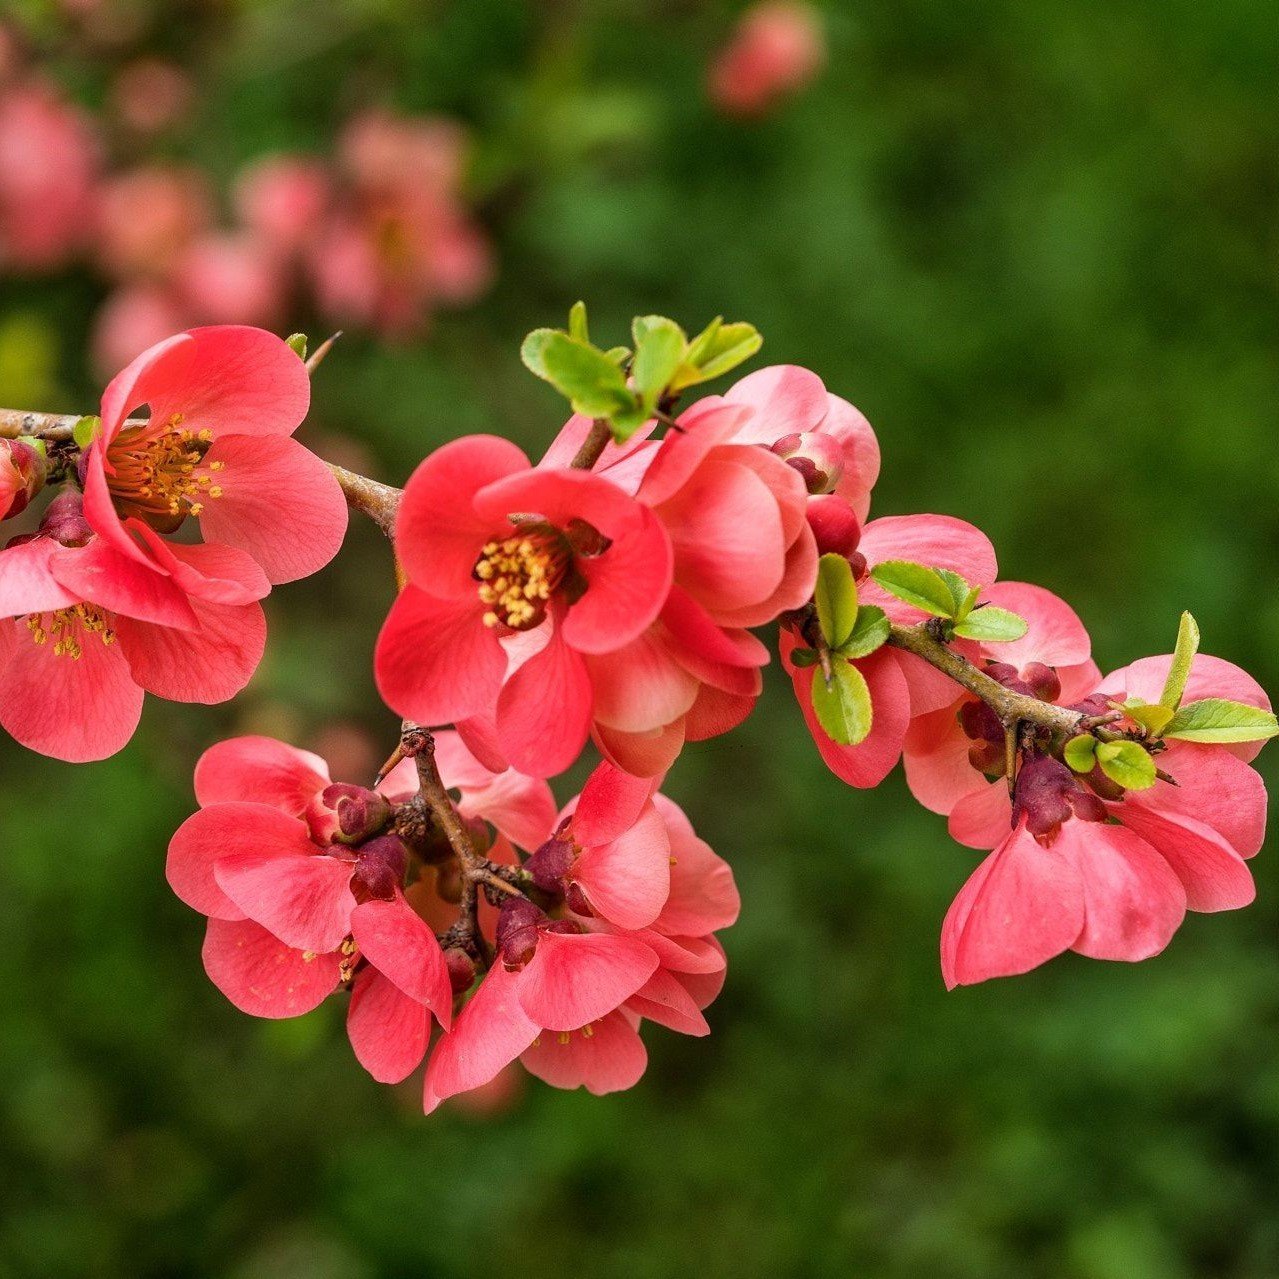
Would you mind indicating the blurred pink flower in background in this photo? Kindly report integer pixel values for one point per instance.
(148, 217)
(49, 158)
(775, 50)
(150, 95)
(282, 199)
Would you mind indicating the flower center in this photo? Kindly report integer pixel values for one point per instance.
(518, 576)
(69, 628)
(159, 475)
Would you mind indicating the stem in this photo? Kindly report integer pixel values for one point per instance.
(1011, 707)
(594, 444)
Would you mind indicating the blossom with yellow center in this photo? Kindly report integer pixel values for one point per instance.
(159, 475)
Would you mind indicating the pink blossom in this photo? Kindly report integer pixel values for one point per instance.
(776, 49)
(559, 565)
(901, 685)
(223, 403)
(86, 633)
(22, 471)
(151, 94)
(1103, 871)
(148, 216)
(134, 317)
(231, 279)
(282, 199)
(49, 157)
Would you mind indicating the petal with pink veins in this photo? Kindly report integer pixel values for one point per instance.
(786, 400)
(577, 978)
(279, 503)
(610, 804)
(1054, 634)
(544, 710)
(388, 1031)
(1216, 788)
(703, 896)
(665, 1000)
(120, 583)
(398, 943)
(935, 756)
(262, 770)
(628, 879)
(209, 572)
(641, 686)
(983, 818)
(644, 754)
(28, 583)
(262, 976)
(303, 898)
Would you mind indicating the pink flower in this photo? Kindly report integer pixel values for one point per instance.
(567, 996)
(147, 217)
(776, 49)
(953, 751)
(302, 883)
(231, 279)
(495, 552)
(133, 318)
(223, 404)
(825, 438)
(901, 685)
(85, 633)
(151, 94)
(22, 471)
(282, 199)
(49, 157)
(1106, 872)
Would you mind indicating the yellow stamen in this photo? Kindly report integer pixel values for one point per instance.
(70, 628)
(518, 576)
(157, 472)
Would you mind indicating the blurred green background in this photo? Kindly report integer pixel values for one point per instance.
(1036, 242)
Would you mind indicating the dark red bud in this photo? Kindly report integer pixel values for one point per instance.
(858, 563)
(379, 869)
(1042, 681)
(988, 758)
(64, 520)
(576, 900)
(1047, 794)
(835, 526)
(818, 458)
(980, 723)
(360, 812)
(551, 863)
(516, 935)
(461, 969)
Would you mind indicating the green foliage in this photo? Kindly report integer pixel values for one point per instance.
(1127, 764)
(591, 382)
(1215, 719)
(869, 632)
(1080, 753)
(85, 431)
(1153, 718)
(297, 343)
(991, 624)
(717, 349)
(835, 596)
(917, 585)
(1182, 657)
(842, 702)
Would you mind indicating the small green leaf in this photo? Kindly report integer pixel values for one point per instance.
(296, 342)
(85, 431)
(1217, 720)
(1182, 657)
(577, 329)
(804, 657)
(1126, 764)
(992, 625)
(626, 423)
(836, 598)
(959, 590)
(591, 381)
(843, 706)
(659, 351)
(918, 585)
(1154, 719)
(869, 632)
(1081, 753)
(718, 348)
(618, 354)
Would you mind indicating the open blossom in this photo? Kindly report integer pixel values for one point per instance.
(567, 995)
(223, 403)
(559, 563)
(901, 685)
(398, 239)
(49, 158)
(777, 48)
(302, 880)
(84, 633)
(1080, 864)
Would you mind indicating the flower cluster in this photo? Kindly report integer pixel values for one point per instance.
(607, 598)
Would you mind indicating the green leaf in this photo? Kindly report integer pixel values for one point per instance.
(659, 351)
(804, 657)
(1081, 753)
(919, 586)
(718, 348)
(85, 431)
(1183, 655)
(836, 598)
(991, 624)
(626, 423)
(591, 381)
(869, 632)
(843, 706)
(1217, 720)
(296, 342)
(1126, 764)
(1154, 719)
(577, 329)
(959, 591)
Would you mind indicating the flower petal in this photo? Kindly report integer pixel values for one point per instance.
(610, 1058)
(665, 1000)
(628, 879)
(303, 898)
(544, 710)
(261, 770)
(576, 978)
(1216, 788)
(122, 584)
(703, 897)
(388, 1031)
(983, 818)
(938, 541)
(1054, 634)
(27, 581)
(397, 942)
(262, 976)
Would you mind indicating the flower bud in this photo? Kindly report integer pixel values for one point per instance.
(817, 457)
(578, 902)
(461, 969)
(835, 526)
(980, 723)
(64, 520)
(516, 934)
(22, 472)
(347, 814)
(989, 758)
(1048, 794)
(1042, 681)
(379, 870)
(551, 863)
